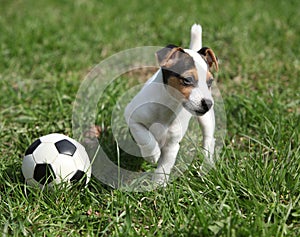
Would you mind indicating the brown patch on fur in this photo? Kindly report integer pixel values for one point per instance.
(209, 75)
(168, 55)
(177, 84)
(210, 57)
(177, 65)
(191, 73)
(175, 60)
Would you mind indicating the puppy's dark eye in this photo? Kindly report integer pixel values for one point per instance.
(187, 81)
(209, 82)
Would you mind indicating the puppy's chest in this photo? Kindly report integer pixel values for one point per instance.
(154, 113)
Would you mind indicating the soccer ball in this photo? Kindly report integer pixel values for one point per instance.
(54, 159)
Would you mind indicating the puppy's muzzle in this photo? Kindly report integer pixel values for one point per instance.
(200, 108)
(206, 104)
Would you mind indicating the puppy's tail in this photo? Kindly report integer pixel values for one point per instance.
(196, 37)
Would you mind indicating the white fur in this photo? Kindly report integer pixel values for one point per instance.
(158, 121)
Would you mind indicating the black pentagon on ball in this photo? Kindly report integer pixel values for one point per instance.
(43, 173)
(65, 147)
(32, 147)
(78, 176)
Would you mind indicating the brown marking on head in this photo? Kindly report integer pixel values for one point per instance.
(168, 55)
(178, 68)
(179, 85)
(209, 78)
(209, 57)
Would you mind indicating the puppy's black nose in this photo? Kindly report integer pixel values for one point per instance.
(206, 104)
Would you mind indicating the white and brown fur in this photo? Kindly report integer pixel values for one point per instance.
(158, 116)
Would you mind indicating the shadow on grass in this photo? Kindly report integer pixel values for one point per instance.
(120, 157)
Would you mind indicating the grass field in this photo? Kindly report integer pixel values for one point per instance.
(47, 48)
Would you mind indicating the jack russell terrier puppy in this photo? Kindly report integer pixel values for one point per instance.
(158, 116)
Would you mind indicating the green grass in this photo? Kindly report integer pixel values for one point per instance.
(46, 49)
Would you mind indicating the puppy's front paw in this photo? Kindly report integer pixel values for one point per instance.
(153, 159)
(150, 153)
(160, 179)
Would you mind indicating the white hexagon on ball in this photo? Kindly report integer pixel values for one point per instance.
(53, 159)
(65, 167)
(46, 153)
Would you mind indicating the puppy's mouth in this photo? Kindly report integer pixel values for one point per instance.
(198, 109)
(198, 112)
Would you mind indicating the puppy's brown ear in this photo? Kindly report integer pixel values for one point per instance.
(210, 57)
(168, 55)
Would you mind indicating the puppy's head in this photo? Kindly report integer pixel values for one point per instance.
(183, 70)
